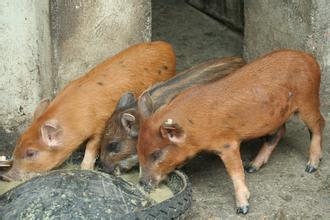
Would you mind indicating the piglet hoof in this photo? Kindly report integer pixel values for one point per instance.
(250, 168)
(310, 168)
(242, 210)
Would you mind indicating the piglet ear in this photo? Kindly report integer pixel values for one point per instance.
(145, 105)
(174, 132)
(41, 108)
(126, 100)
(127, 120)
(52, 133)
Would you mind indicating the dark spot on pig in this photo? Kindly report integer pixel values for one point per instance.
(164, 67)
(190, 121)
(264, 104)
(99, 83)
(266, 125)
(226, 145)
(159, 72)
(146, 69)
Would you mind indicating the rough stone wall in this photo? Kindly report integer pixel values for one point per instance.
(296, 24)
(25, 58)
(230, 12)
(45, 44)
(320, 45)
(85, 32)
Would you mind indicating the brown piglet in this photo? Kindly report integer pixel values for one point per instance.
(118, 145)
(254, 101)
(79, 112)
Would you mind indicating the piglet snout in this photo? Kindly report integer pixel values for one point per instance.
(11, 175)
(108, 168)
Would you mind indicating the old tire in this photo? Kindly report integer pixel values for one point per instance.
(81, 194)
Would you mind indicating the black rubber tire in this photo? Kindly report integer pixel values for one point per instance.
(16, 202)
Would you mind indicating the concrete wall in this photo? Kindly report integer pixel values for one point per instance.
(45, 44)
(229, 12)
(85, 32)
(25, 57)
(297, 24)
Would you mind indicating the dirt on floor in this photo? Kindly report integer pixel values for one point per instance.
(281, 189)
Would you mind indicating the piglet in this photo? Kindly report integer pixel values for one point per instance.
(118, 145)
(254, 101)
(79, 112)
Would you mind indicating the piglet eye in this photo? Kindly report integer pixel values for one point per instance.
(156, 155)
(30, 153)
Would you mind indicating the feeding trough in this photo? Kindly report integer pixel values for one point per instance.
(86, 194)
(5, 162)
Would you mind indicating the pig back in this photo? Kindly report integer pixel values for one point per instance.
(206, 72)
(254, 101)
(91, 99)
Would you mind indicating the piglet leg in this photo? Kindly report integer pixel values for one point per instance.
(91, 152)
(265, 151)
(233, 163)
(315, 149)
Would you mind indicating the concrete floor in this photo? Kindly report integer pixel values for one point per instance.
(281, 189)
